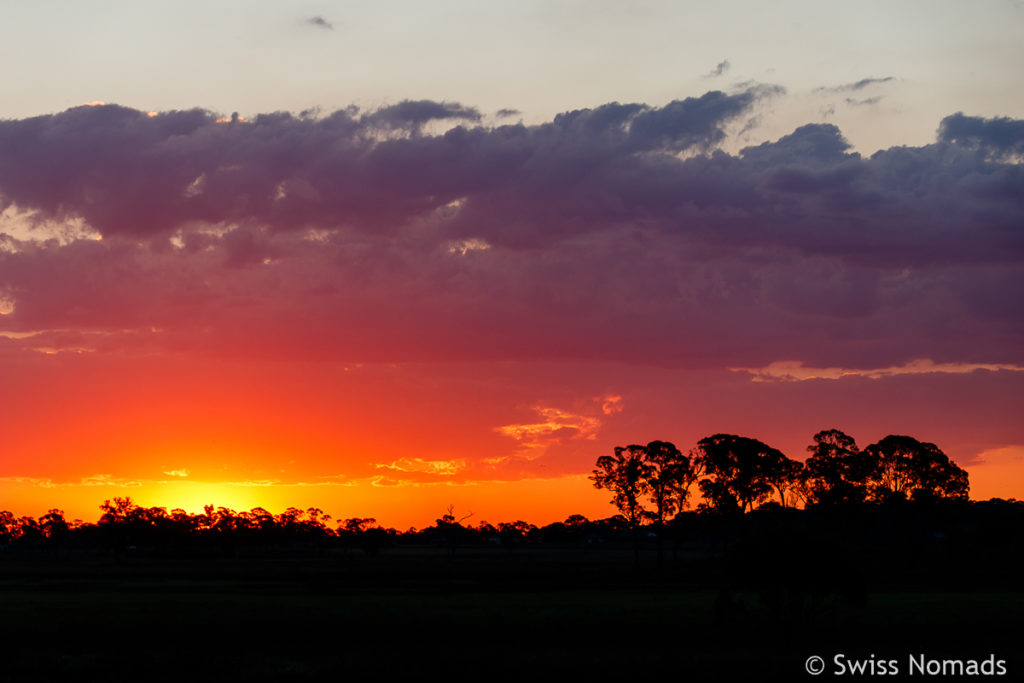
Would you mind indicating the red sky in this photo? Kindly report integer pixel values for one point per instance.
(353, 312)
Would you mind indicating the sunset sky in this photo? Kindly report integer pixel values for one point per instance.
(383, 257)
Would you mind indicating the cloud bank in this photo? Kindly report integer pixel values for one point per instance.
(418, 232)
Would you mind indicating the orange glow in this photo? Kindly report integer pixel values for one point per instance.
(193, 496)
(398, 443)
(998, 474)
(397, 504)
(184, 433)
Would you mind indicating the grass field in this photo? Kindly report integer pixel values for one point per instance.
(486, 614)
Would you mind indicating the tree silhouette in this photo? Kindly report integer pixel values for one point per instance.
(363, 532)
(668, 477)
(8, 526)
(259, 518)
(29, 530)
(658, 472)
(626, 475)
(451, 529)
(53, 524)
(576, 521)
(742, 472)
(515, 533)
(356, 525)
(784, 475)
(907, 468)
(121, 511)
(837, 471)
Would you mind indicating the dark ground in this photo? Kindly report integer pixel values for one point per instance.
(487, 614)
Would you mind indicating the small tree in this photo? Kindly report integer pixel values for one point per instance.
(122, 510)
(451, 529)
(53, 524)
(8, 526)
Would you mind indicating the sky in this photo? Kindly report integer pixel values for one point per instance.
(383, 258)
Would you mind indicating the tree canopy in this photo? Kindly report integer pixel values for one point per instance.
(625, 474)
(907, 468)
(741, 472)
(658, 474)
(738, 473)
(837, 471)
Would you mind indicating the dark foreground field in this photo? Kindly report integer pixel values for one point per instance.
(484, 614)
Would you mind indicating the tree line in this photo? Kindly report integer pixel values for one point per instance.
(651, 486)
(736, 474)
(126, 525)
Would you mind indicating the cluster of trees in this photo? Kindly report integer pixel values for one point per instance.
(127, 518)
(125, 524)
(652, 483)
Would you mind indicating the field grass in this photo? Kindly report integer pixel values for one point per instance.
(484, 615)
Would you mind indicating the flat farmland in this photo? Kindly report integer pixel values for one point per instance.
(482, 614)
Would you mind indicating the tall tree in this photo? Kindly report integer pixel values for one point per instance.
(837, 471)
(626, 475)
(741, 472)
(907, 468)
(785, 476)
(669, 476)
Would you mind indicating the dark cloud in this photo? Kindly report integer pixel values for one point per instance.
(413, 114)
(689, 123)
(617, 232)
(866, 102)
(125, 171)
(505, 113)
(854, 87)
(320, 22)
(719, 69)
(1002, 136)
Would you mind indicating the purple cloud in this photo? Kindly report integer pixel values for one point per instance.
(619, 232)
(1002, 136)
